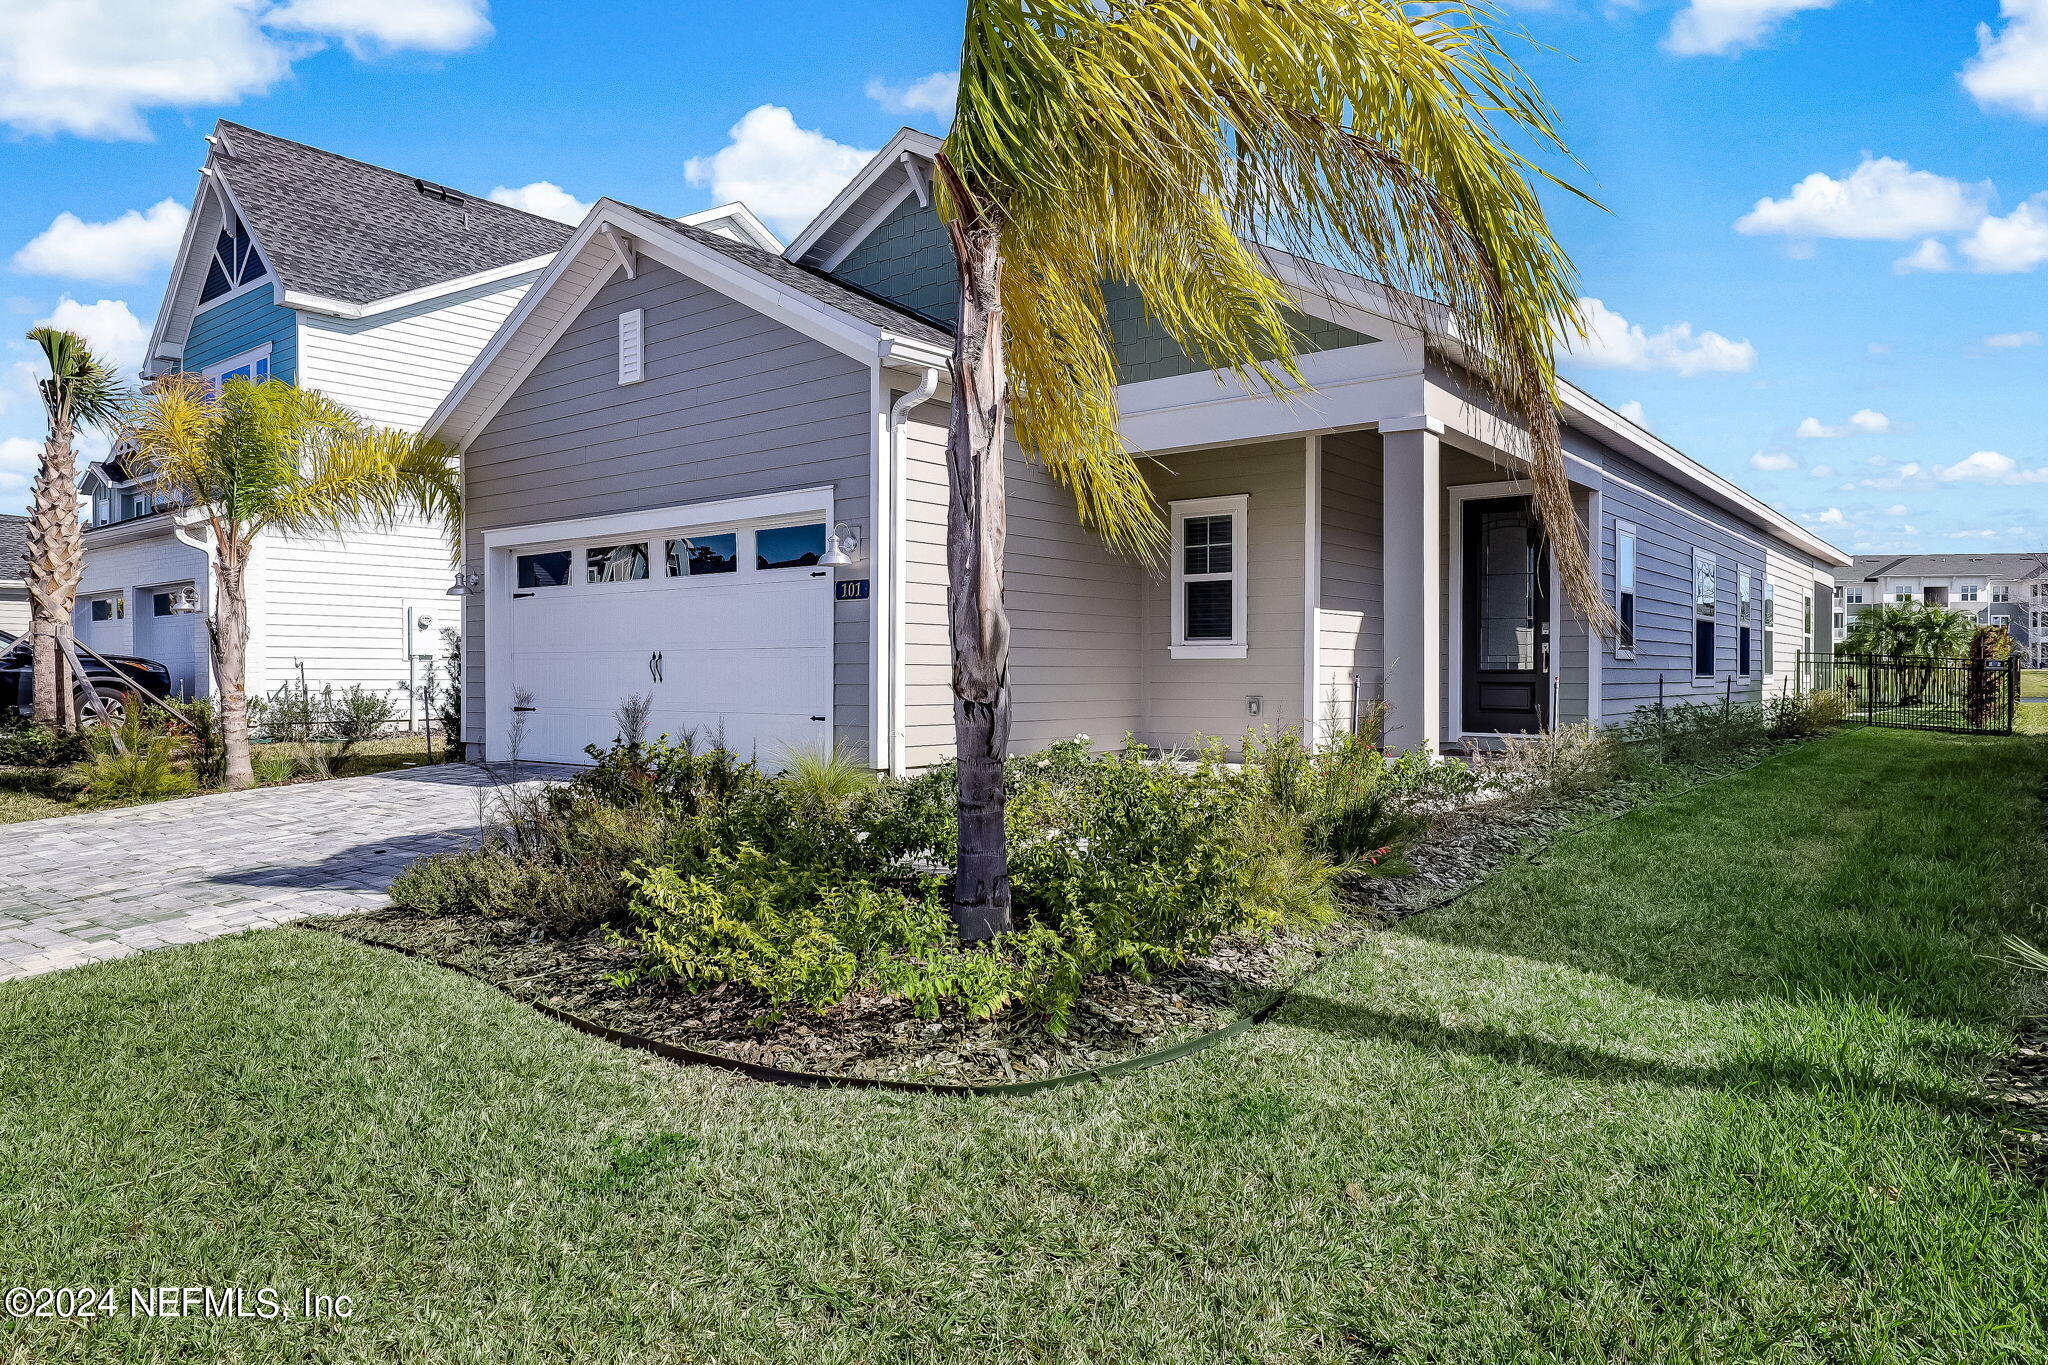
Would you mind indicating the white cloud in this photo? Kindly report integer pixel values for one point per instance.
(1930, 256)
(1772, 460)
(933, 94)
(1831, 516)
(1866, 422)
(782, 172)
(1821, 471)
(543, 197)
(93, 67)
(369, 27)
(2012, 341)
(2010, 70)
(1611, 341)
(1879, 348)
(1897, 509)
(1633, 410)
(1883, 199)
(115, 335)
(2017, 242)
(1988, 466)
(120, 251)
(1713, 27)
(20, 457)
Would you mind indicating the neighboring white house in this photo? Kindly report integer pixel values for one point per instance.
(374, 287)
(2010, 590)
(14, 574)
(712, 476)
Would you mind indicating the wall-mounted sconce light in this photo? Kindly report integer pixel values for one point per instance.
(844, 543)
(465, 584)
(185, 602)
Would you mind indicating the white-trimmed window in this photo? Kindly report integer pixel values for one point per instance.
(1744, 620)
(113, 607)
(1967, 592)
(1903, 595)
(253, 366)
(2001, 592)
(1853, 595)
(1209, 577)
(1770, 626)
(1705, 590)
(1625, 589)
(236, 263)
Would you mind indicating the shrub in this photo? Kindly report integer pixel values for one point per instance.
(1560, 763)
(1696, 732)
(24, 744)
(1800, 714)
(293, 714)
(1352, 798)
(130, 762)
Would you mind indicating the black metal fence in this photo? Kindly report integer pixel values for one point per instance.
(1968, 696)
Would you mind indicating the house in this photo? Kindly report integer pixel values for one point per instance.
(712, 476)
(14, 574)
(372, 286)
(1998, 589)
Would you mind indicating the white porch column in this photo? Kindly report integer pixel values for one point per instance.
(1412, 570)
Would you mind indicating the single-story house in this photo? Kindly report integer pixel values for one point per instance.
(711, 475)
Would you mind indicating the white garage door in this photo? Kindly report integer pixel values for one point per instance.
(723, 648)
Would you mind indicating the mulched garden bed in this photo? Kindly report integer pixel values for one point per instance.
(870, 1037)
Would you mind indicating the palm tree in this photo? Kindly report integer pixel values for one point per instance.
(1910, 630)
(1152, 143)
(245, 459)
(81, 390)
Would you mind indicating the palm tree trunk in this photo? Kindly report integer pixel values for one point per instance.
(975, 517)
(56, 562)
(228, 631)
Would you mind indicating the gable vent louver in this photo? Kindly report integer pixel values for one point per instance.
(632, 327)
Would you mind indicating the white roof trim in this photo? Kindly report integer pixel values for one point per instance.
(908, 141)
(751, 229)
(851, 336)
(314, 303)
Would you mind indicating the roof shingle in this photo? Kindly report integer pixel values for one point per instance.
(344, 229)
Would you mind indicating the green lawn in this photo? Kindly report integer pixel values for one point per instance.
(2034, 682)
(1698, 1089)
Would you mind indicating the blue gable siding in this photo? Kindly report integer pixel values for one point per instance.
(242, 324)
(908, 260)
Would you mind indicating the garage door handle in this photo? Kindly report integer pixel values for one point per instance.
(654, 665)
(817, 718)
(526, 708)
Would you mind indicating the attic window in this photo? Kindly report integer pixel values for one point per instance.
(235, 262)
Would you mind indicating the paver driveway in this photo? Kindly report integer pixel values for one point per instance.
(79, 888)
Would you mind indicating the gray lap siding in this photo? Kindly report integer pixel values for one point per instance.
(733, 404)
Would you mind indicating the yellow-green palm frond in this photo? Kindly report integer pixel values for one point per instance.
(1151, 143)
(260, 456)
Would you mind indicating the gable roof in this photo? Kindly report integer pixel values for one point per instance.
(343, 229)
(824, 288)
(875, 187)
(1997, 567)
(13, 548)
(612, 237)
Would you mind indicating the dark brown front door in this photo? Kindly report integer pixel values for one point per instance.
(1506, 618)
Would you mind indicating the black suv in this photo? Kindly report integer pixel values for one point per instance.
(128, 674)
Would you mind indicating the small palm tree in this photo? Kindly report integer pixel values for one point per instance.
(80, 391)
(1910, 630)
(1151, 144)
(245, 459)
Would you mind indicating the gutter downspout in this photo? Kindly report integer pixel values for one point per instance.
(898, 532)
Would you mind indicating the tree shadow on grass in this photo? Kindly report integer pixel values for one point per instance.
(1757, 1075)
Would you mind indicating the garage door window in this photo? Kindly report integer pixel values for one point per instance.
(549, 569)
(109, 608)
(789, 547)
(617, 563)
(693, 556)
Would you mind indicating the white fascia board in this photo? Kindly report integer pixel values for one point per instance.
(314, 303)
(182, 262)
(681, 517)
(1351, 387)
(751, 229)
(921, 145)
(1609, 426)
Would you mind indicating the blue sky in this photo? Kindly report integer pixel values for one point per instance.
(1821, 268)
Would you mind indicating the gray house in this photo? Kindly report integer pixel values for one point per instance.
(14, 574)
(712, 476)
